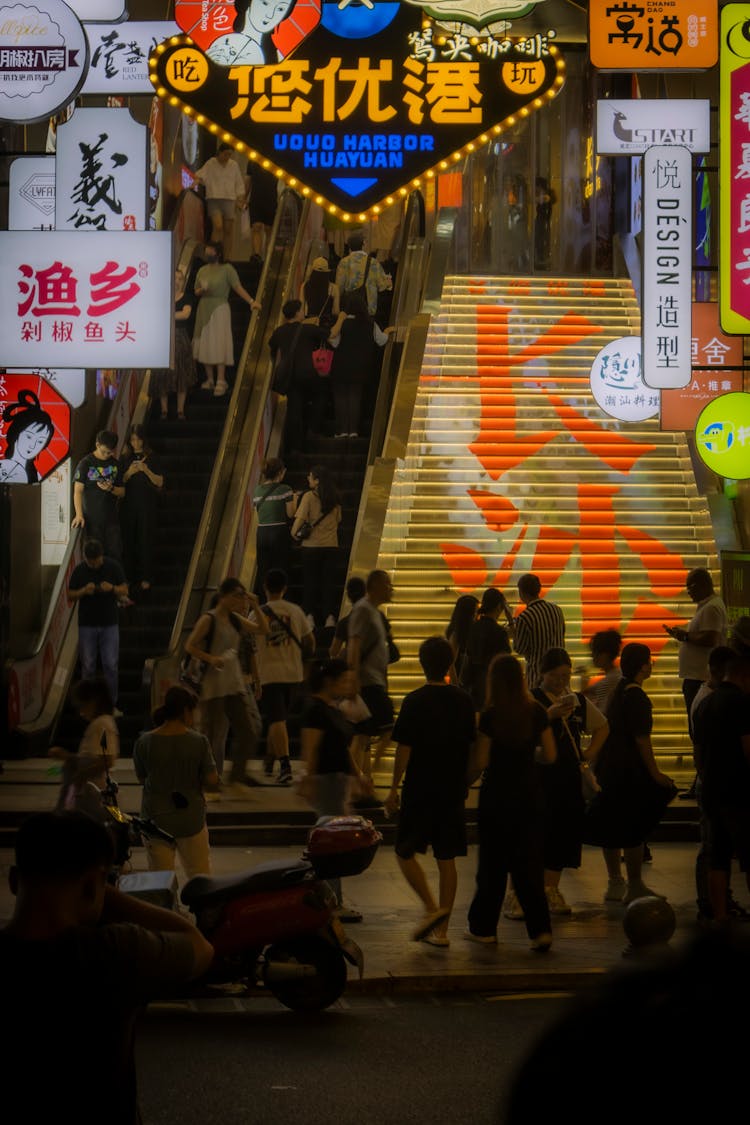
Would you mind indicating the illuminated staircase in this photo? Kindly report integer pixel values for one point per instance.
(512, 467)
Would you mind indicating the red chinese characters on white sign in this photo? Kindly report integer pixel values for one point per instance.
(94, 300)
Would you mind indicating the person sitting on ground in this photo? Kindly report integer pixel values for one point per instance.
(281, 652)
(434, 733)
(174, 764)
(89, 958)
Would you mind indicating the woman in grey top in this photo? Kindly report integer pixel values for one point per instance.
(174, 764)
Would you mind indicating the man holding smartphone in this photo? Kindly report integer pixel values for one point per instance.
(97, 584)
(706, 630)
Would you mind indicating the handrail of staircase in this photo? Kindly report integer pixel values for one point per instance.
(44, 673)
(244, 415)
(399, 408)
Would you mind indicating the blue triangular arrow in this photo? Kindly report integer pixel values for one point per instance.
(354, 187)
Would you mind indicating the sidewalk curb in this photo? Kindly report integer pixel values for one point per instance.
(567, 980)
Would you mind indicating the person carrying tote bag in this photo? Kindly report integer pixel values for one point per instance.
(320, 507)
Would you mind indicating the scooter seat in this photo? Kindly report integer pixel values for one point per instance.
(277, 874)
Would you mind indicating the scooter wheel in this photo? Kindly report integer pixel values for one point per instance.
(312, 993)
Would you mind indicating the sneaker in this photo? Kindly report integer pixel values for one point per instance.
(512, 907)
(541, 943)
(330, 621)
(615, 891)
(556, 902)
(285, 778)
(639, 890)
(480, 939)
(220, 389)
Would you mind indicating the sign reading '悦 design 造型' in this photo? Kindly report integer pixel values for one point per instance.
(355, 112)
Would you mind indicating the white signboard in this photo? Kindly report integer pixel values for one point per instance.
(101, 171)
(632, 126)
(69, 381)
(666, 316)
(56, 516)
(31, 200)
(119, 56)
(43, 57)
(617, 382)
(99, 9)
(75, 299)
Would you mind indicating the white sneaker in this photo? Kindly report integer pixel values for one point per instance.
(480, 939)
(556, 902)
(512, 907)
(615, 890)
(220, 389)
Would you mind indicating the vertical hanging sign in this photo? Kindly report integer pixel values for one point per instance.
(734, 169)
(101, 171)
(667, 266)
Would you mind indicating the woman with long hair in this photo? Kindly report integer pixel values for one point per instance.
(486, 639)
(457, 632)
(275, 504)
(213, 344)
(29, 432)
(181, 375)
(355, 337)
(514, 738)
(634, 791)
(143, 480)
(320, 295)
(571, 715)
(319, 513)
(174, 764)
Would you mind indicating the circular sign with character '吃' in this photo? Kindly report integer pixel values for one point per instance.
(722, 435)
(617, 382)
(43, 59)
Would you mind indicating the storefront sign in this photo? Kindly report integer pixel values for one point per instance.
(653, 35)
(713, 355)
(34, 428)
(633, 125)
(69, 381)
(361, 106)
(43, 59)
(667, 266)
(31, 198)
(93, 299)
(617, 382)
(99, 9)
(101, 172)
(56, 516)
(734, 169)
(119, 55)
(722, 436)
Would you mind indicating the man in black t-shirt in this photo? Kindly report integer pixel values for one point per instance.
(77, 962)
(96, 490)
(434, 733)
(97, 584)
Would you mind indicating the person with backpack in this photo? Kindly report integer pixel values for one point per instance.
(316, 529)
(358, 272)
(281, 652)
(355, 337)
(224, 699)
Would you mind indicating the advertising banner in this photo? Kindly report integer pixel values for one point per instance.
(34, 428)
(717, 369)
(86, 299)
(43, 59)
(101, 168)
(119, 53)
(734, 169)
(630, 126)
(722, 435)
(617, 382)
(31, 197)
(653, 35)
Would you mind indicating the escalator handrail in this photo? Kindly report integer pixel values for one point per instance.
(233, 425)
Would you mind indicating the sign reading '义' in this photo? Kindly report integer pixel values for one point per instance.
(369, 100)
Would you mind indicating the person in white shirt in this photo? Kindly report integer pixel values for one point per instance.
(706, 630)
(225, 193)
(280, 654)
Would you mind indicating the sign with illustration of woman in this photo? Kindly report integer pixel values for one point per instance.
(35, 430)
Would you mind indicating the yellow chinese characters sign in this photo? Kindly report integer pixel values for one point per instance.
(355, 121)
(636, 35)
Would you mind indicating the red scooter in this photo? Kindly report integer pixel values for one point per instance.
(274, 925)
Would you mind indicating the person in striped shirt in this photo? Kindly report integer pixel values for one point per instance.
(539, 627)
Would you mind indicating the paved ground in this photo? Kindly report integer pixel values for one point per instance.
(585, 945)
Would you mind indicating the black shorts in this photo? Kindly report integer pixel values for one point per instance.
(381, 710)
(274, 702)
(728, 835)
(421, 826)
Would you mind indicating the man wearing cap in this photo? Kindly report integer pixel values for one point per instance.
(357, 269)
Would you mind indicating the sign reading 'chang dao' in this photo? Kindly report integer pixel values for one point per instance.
(359, 106)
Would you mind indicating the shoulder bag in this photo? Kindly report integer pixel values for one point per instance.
(270, 613)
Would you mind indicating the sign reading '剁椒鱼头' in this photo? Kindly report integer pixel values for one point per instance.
(365, 102)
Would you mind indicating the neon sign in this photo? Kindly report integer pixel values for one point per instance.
(354, 117)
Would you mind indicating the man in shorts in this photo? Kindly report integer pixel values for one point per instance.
(225, 194)
(280, 656)
(367, 656)
(722, 746)
(434, 734)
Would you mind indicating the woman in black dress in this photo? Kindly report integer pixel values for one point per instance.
(571, 715)
(143, 480)
(634, 791)
(515, 748)
(355, 336)
(457, 633)
(486, 639)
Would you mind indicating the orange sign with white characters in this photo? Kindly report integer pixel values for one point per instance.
(653, 34)
(717, 370)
